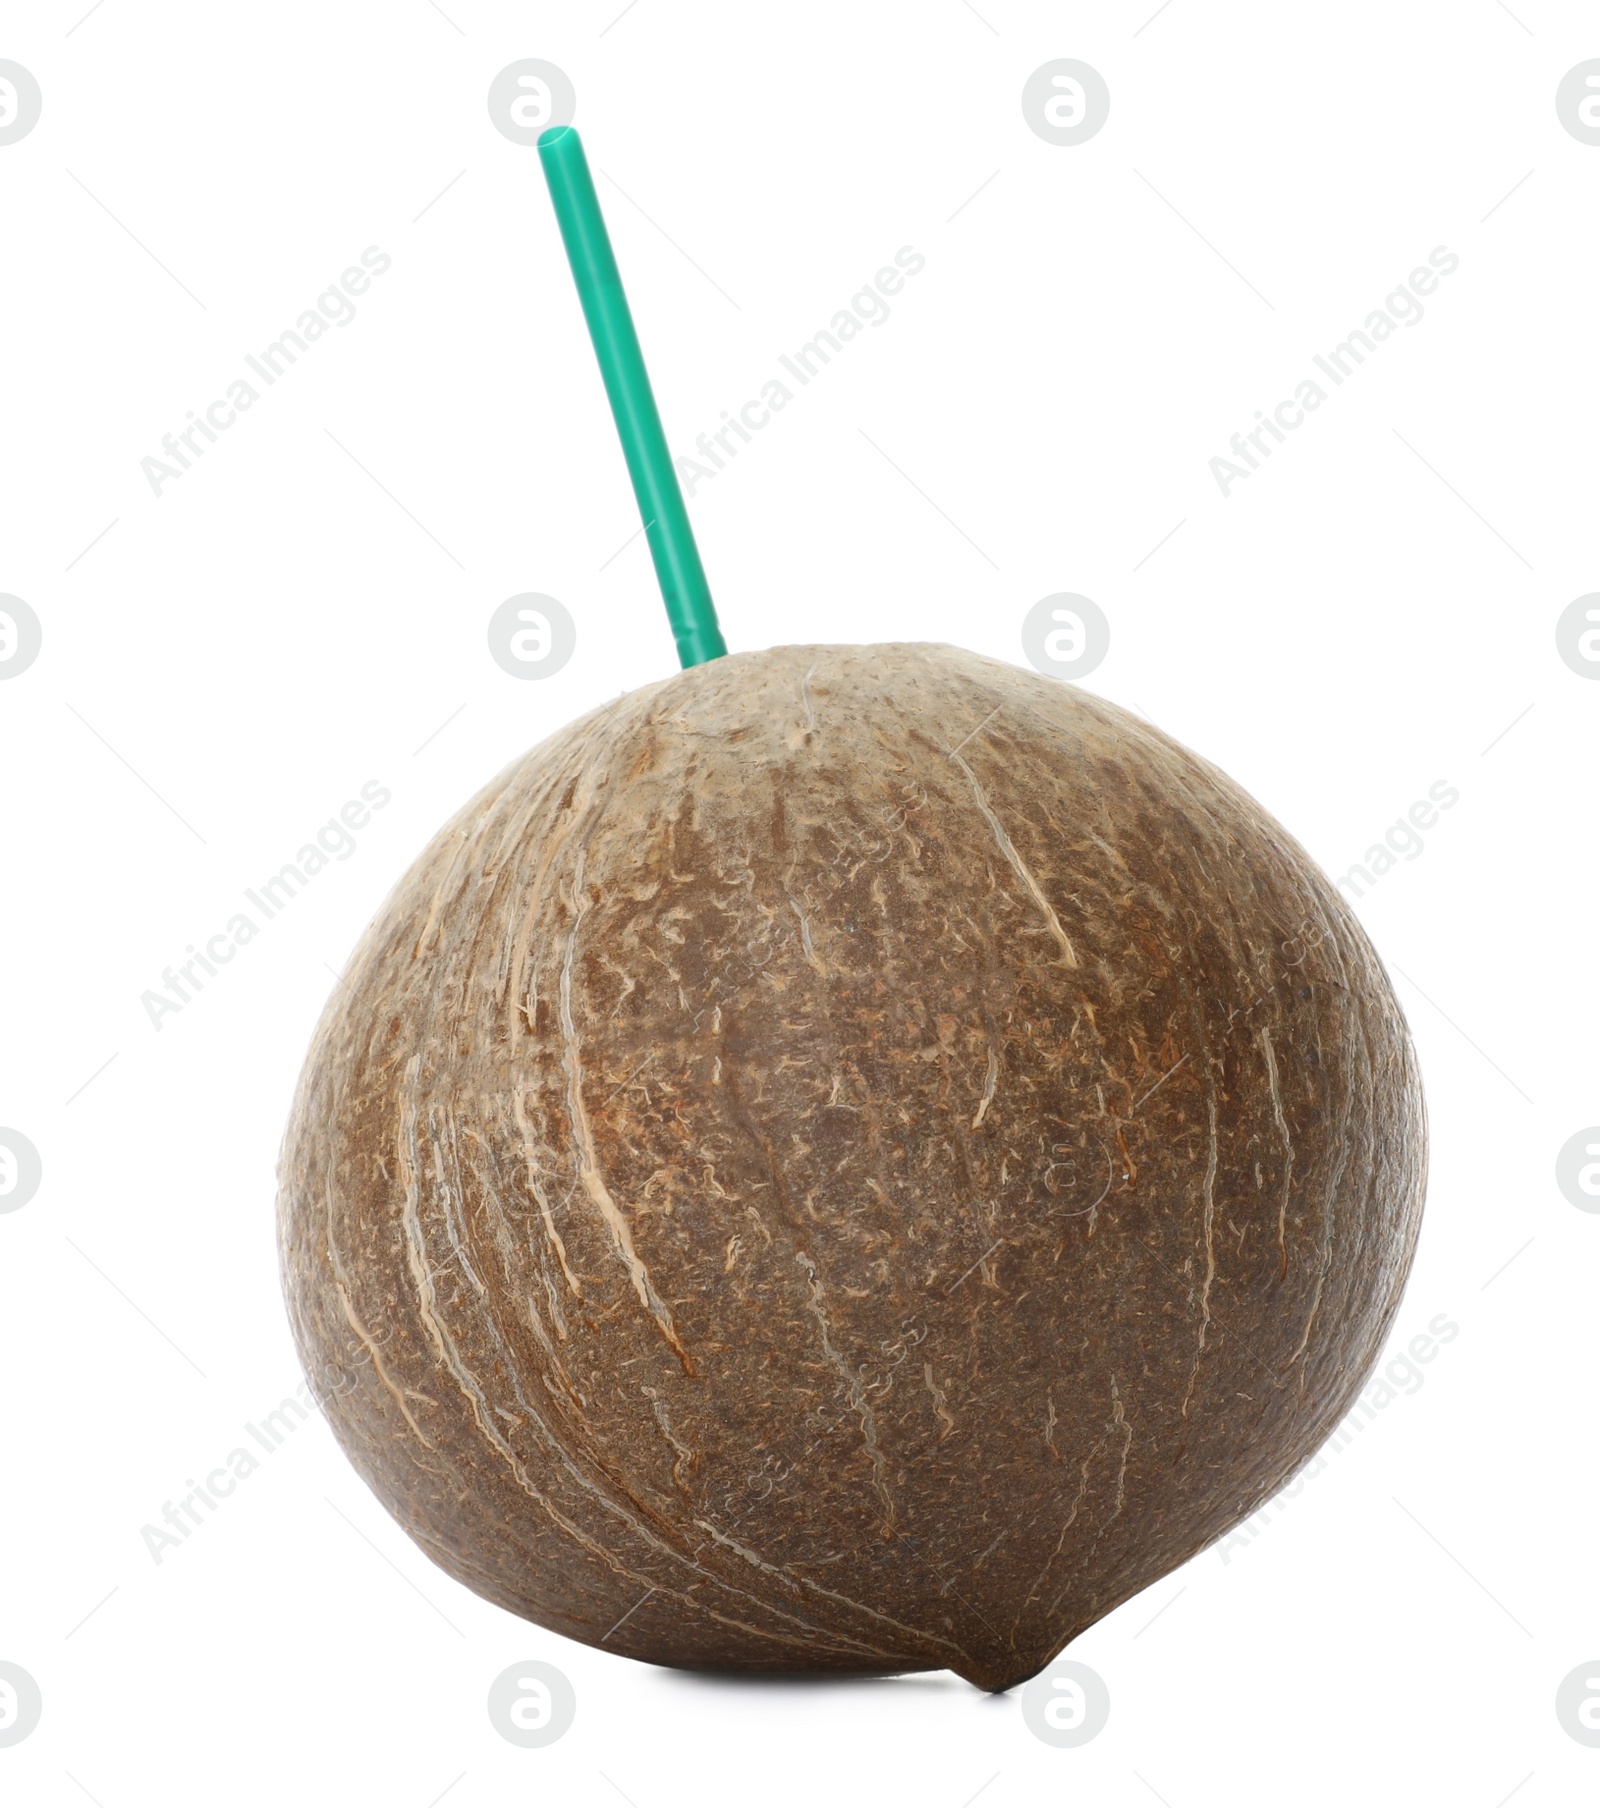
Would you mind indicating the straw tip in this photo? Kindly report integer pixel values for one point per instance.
(554, 135)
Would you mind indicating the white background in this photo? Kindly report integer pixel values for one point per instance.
(275, 629)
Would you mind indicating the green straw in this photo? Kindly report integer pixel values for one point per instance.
(616, 345)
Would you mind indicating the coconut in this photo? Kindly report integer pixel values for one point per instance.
(848, 1159)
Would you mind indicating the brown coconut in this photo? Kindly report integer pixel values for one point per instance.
(848, 1159)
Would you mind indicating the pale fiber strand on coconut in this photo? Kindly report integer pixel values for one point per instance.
(1270, 1055)
(1003, 842)
(853, 1387)
(1208, 1222)
(588, 1162)
(805, 1582)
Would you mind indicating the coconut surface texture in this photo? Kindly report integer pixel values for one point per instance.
(848, 1159)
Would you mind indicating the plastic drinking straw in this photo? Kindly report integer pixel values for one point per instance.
(633, 405)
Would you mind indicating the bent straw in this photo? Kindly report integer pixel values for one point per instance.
(633, 405)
